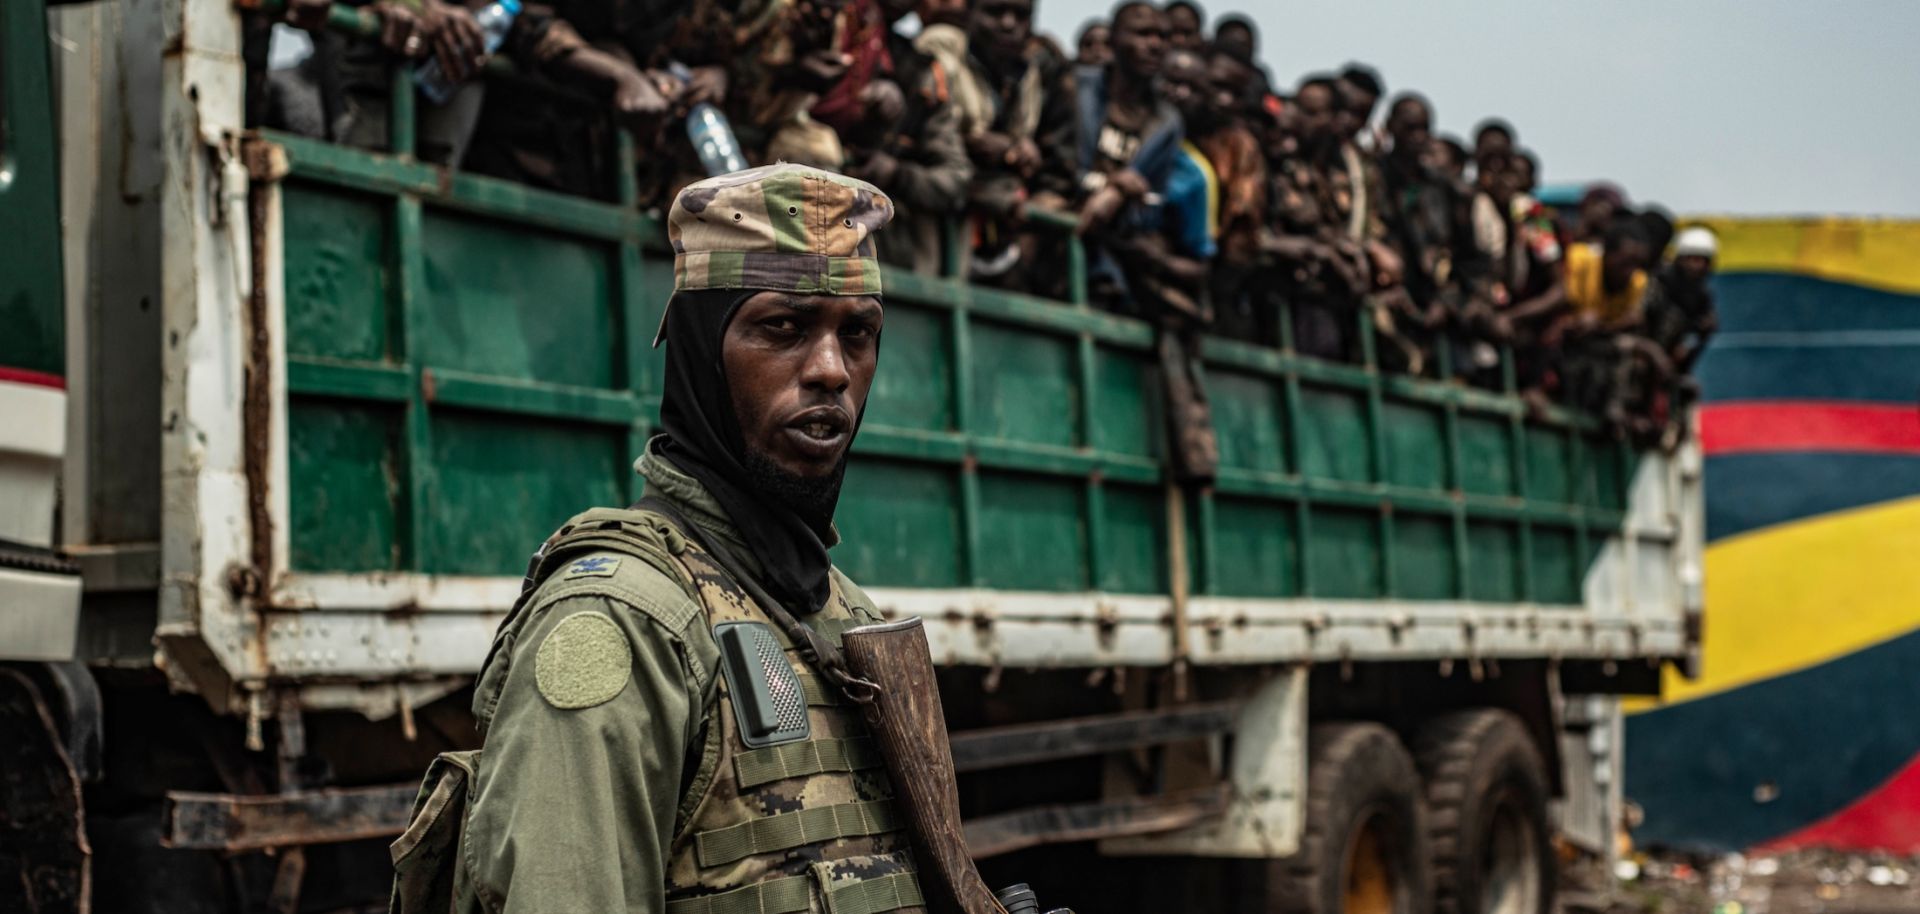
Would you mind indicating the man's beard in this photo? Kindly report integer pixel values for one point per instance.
(813, 498)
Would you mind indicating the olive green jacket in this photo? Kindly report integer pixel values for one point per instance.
(579, 791)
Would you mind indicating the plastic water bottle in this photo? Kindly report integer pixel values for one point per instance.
(712, 136)
(494, 20)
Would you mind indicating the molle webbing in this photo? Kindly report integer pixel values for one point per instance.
(775, 763)
(816, 692)
(871, 896)
(788, 830)
(795, 893)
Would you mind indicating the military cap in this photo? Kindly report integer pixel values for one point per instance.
(787, 228)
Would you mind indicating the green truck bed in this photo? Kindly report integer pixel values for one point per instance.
(439, 368)
(467, 364)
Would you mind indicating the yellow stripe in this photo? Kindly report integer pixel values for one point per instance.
(1213, 186)
(1792, 597)
(1867, 252)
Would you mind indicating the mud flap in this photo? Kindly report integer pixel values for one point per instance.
(44, 857)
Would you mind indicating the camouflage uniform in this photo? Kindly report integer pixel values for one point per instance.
(646, 799)
(615, 774)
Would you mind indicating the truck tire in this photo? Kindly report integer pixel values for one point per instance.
(1487, 814)
(1364, 849)
(44, 857)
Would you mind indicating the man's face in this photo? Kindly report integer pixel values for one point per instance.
(1492, 143)
(1183, 29)
(1096, 49)
(1411, 126)
(1521, 175)
(1442, 157)
(1234, 39)
(1002, 27)
(1140, 40)
(1314, 107)
(1232, 84)
(1596, 213)
(1621, 260)
(1358, 107)
(1490, 175)
(1184, 80)
(1695, 267)
(799, 368)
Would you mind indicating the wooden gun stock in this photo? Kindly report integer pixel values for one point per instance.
(911, 729)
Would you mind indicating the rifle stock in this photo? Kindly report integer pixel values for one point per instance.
(911, 729)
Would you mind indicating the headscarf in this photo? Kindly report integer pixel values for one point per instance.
(704, 441)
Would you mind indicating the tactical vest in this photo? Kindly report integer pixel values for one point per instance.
(804, 824)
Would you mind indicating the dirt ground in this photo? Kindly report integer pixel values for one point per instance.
(1811, 882)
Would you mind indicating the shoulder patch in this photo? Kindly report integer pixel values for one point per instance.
(583, 662)
(597, 566)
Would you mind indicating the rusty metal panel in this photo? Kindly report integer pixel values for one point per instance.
(1265, 777)
(991, 836)
(233, 822)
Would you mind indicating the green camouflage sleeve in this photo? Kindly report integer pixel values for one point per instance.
(581, 776)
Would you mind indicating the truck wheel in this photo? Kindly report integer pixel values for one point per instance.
(43, 842)
(1487, 814)
(1364, 849)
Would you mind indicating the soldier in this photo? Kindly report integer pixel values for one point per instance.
(641, 753)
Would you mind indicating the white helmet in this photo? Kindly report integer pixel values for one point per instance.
(1696, 241)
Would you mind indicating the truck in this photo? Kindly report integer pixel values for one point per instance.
(320, 402)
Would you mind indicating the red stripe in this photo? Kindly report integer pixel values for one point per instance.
(36, 378)
(1809, 425)
(1887, 818)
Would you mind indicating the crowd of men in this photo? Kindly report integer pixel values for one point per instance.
(1209, 198)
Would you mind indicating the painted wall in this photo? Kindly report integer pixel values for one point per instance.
(1804, 728)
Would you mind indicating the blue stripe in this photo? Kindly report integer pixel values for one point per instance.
(1815, 740)
(1795, 337)
(1787, 302)
(1749, 491)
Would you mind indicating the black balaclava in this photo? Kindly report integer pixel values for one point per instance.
(704, 441)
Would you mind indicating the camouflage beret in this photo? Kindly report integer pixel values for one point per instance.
(787, 228)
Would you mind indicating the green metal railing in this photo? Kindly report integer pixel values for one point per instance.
(1367, 481)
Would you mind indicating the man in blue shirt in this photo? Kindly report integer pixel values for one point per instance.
(1152, 215)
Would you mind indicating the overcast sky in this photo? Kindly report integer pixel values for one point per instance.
(1707, 106)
